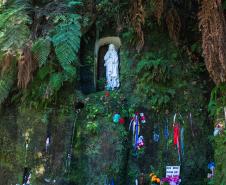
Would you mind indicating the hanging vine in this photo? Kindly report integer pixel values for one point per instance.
(158, 9)
(212, 26)
(6, 62)
(26, 67)
(138, 19)
(173, 24)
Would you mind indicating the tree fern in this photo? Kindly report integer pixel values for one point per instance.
(41, 50)
(66, 38)
(14, 30)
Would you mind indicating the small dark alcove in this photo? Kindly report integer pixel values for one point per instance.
(86, 68)
(101, 70)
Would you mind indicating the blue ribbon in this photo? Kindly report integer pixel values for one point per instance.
(211, 165)
(112, 182)
(182, 140)
(136, 131)
(106, 181)
(166, 130)
(178, 151)
(156, 137)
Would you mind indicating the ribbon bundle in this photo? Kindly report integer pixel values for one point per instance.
(136, 126)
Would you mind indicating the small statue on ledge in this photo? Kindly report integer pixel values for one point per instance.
(112, 65)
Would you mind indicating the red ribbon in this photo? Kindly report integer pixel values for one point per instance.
(176, 135)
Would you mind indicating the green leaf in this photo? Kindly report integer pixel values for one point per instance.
(56, 81)
(6, 83)
(44, 71)
(14, 26)
(74, 3)
(69, 73)
(41, 50)
(66, 39)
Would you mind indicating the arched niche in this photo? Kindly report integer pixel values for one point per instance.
(101, 47)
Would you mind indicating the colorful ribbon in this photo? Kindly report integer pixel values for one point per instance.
(191, 123)
(112, 182)
(137, 131)
(182, 140)
(135, 125)
(166, 130)
(176, 135)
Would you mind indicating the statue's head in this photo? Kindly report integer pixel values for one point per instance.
(111, 47)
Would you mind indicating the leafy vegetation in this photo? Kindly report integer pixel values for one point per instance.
(156, 72)
(6, 83)
(47, 47)
(41, 49)
(97, 137)
(14, 27)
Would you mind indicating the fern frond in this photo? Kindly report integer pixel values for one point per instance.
(66, 38)
(14, 37)
(158, 9)
(56, 81)
(213, 28)
(74, 3)
(41, 50)
(138, 20)
(14, 30)
(173, 24)
(69, 72)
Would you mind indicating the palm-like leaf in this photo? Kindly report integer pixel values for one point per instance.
(14, 30)
(66, 38)
(56, 81)
(41, 50)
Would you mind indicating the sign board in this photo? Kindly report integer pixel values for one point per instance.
(172, 171)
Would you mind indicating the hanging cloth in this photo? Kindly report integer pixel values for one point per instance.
(178, 138)
(135, 126)
(191, 124)
(166, 130)
(132, 124)
(106, 181)
(136, 182)
(47, 143)
(225, 114)
(156, 135)
(182, 140)
(176, 135)
(137, 131)
(112, 182)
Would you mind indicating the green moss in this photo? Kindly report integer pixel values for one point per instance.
(99, 143)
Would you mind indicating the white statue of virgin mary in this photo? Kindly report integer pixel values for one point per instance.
(112, 65)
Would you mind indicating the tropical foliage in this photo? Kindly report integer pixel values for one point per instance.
(172, 54)
(53, 45)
